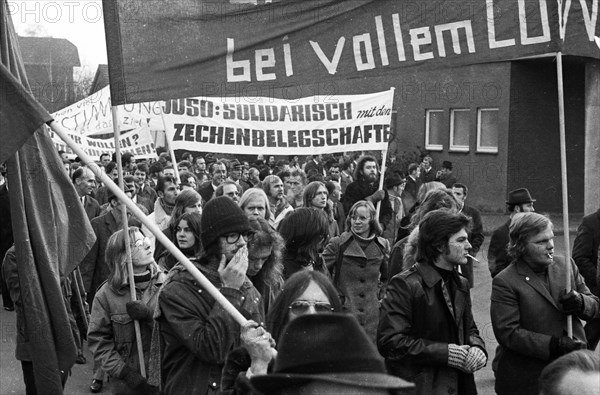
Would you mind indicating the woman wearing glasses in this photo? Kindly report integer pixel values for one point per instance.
(306, 292)
(197, 332)
(111, 335)
(358, 260)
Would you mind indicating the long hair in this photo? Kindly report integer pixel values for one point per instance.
(309, 194)
(116, 258)
(428, 187)
(259, 194)
(278, 315)
(184, 199)
(374, 224)
(435, 230)
(271, 274)
(523, 226)
(193, 221)
(304, 231)
(358, 172)
(434, 200)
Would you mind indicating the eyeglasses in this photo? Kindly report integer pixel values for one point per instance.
(145, 242)
(300, 307)
(233, 238)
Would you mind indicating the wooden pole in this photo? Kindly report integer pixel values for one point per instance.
(125, 224)
(563, 174)
(381, 176)
(160, 236)
(171, 152)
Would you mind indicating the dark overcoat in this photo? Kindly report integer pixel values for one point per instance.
(525, 315)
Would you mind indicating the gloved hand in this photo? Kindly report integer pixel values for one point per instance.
(572, 302)
(138, 310)
(133, 379)
(564, 345)
(457, 356)
(476, 359)
(377, 196)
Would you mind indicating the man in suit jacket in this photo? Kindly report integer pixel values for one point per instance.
(530, 305)
(413, 183)
(585, 254)
(85, 182)
(519, 201)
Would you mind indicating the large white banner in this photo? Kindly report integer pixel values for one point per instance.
(92, 115)
(307, 126)
(138, 141)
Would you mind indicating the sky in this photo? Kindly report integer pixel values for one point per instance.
(80, 22)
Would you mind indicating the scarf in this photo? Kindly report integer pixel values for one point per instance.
(167, 207)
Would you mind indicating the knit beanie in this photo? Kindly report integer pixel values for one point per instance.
(221, 216)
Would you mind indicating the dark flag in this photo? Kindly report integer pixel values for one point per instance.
(51, 231)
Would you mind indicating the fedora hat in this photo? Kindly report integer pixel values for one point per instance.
(393, 180)
(316, 347)
(447, 164)
(519, 196)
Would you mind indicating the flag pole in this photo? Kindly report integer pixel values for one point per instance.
(383, 161)
(136, 323)
(171, 151)
(563, 173)
(160, 236)
(381, 176)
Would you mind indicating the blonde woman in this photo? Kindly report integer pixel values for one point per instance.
(111, 334)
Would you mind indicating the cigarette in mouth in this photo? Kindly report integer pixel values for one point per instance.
(472, 257)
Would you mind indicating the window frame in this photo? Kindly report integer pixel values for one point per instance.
(429, 146)
(455, 147)
(480, 148)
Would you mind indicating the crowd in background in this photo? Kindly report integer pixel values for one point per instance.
(384, 263)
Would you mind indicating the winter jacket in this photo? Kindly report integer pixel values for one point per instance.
(111, 333)
(418, 320)
(362, 278)
(525, 315)
(197, 332)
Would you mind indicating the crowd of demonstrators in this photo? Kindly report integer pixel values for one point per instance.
(282, 239)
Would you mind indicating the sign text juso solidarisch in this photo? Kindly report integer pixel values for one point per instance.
(281, 138)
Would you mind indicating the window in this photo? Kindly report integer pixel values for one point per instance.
(459, 130)
(434, 129)
(487, 130)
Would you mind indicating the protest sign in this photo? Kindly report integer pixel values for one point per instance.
(92, 116)
(307, 126)
(138, 142)
(162, 49)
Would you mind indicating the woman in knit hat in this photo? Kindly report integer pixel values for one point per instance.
(111, 336)
(197, 332)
